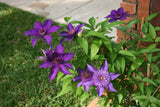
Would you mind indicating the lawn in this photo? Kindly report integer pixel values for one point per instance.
(22, 83)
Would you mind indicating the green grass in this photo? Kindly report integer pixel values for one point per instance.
(22, 83)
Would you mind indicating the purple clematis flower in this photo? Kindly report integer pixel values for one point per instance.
(117, 15)
(42, 31)
(71, 33)
(56, 60)
(102, 78)
(83, 76)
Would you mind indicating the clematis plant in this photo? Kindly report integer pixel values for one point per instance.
(121, 80)
(117, 15)
(56, 60)
(71, 33)
(102, 78)
(84, 76)
(40, 31)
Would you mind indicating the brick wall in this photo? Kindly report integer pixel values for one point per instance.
(137, 9)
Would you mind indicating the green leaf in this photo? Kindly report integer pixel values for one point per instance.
(67, 18)
(64, 91)
(117, 47)
(92, 21)
(144, 28)
(66, 82)
(154, 100)
(117, 65)
(150, 17)
(115, 23)
(149, 57)
(141, 87)
(120, 97)
(137, 63)
(78, 91)
(153, 105)
(104, 25)
(98, 34)
(149, 81)
(142, 97)
(148, 90)
(157, 28)
(80, 22)
(95, 47)
(122, 62)
(152, 31)
(83, 43)
(155, 50)
(108, 45)
(145, 103)
(66, 77)
(113, 56)
(127, 53)
(84, 96)
(122, 28)
(157, 39)
(149, 48)
(59, 76)
(131, 23)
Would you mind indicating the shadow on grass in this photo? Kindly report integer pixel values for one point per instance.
(22, 83)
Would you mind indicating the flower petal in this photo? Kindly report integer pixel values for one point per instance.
(79, 70)
(123, 17)
(100, 91)
(64, 70)
(78, 27)
(59, 49)
(37, 25)
(88, 83)
(67, 56)
(47, 39)
(70, 27)
(79, 84)
(110, 87)
(91, 68)
(34, 41)
(77, 78)
(69, 39)
(68, 65)
(109, 16)
(113, 75)
(86, 87)
(62, 40)
(113, 12)
(112, 20)
(120, 10)
(53, 73)
(47, 24)
(45, 64)
(64, 34)
(53, 29)
(44, 52)
(32, 32)
(41, 58)
(105, 66)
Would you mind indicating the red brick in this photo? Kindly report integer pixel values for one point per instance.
(131, 0)
(119, 34)
(143, 9)
(131, 8)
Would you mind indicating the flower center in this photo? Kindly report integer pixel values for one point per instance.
(57, 60)
(42, 32)
(118, 15)
(71, 32)
(101, 77)
(86, 75)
